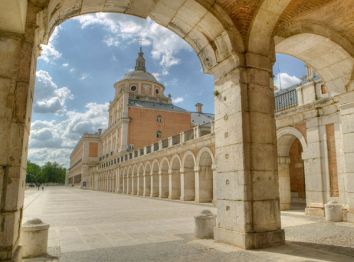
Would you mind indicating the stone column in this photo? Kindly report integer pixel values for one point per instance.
(214, 184)
(314, 164)
(246, 155)
(18, 54)
(196, 184)
(347, 119)
(284, 182)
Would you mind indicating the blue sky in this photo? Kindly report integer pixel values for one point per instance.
(87, 54)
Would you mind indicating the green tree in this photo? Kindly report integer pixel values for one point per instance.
(53, 173)
(33, 173)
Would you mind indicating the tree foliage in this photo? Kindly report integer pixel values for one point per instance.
(51, 172)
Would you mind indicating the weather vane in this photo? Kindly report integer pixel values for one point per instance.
(140, 41)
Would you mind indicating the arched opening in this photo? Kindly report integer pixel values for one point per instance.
(205, 176)
(155, 179)
(147, 179)
(121, 181)
(140, 180)
(129, 180)
(135, 185)
(175, 178)
(163, 178)
(291, 172)
(188, 178)
(331, 61)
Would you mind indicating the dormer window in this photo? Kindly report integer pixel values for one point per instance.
(157, 91)
(133, 88)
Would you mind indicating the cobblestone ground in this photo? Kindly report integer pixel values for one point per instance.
(96, 226)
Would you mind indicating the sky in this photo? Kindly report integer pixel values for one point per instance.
(87, 54)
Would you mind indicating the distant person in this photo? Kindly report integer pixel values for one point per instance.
(42, 188)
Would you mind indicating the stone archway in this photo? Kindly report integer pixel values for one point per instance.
(188, 177)
(140, 175)
(163, 178)
(155, 179)
(204, 176)
(147, 179)
(291, 172)
(175, 178)
(135, 180)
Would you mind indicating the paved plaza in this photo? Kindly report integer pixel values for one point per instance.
(97, 226)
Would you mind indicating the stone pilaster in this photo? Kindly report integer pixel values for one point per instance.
(246, 156)
(18, 56)
(284, 182)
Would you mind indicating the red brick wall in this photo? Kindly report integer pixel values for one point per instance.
(93, 149)
(143, 125)
(296, 166)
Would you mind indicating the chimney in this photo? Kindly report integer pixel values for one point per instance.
(198, 107)
(100, 131)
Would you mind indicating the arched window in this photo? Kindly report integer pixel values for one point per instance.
(158, 134)
(159, 119)
(323, 89)
(133, 88)
(156, 91)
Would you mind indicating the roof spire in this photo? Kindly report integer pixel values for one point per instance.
(140, 60)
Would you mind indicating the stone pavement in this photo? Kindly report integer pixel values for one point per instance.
(97, 226)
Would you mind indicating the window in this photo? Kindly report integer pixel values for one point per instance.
(133, 88)
(158, 134)
(159, 119)
(156, 91)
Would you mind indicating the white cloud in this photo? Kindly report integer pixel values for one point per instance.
(178, 100)
(157, 76)
(165, 44)
(48, 97)
(54, 140)
(65, 64)
(72, 70)
(49, 52)
(84, 76)
(285, 80)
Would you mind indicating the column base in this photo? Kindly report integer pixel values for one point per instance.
(250, 240)
(314, 211)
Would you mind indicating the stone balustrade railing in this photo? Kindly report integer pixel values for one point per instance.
(178, 139)
(285, 99)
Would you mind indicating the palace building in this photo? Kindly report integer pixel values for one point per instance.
(139, 115)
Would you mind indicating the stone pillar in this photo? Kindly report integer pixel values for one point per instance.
(347, 119)
(196, 185)
(246, 155)
(314, 164)
(214, 184)
(284, 182)
(18, 54)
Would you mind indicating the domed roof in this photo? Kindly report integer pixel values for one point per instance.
(140, 70)
(140, 75)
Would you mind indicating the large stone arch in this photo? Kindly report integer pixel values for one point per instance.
(330, 60)
(206, 27)
(175, 177)
(129, 179)
(286, 137)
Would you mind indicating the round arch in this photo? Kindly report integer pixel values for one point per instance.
(188, 177)
(140, 179)
(164, 165)
(291, 172)
(210, 31)
(330, 60)
(186, 160)
(147, 179)
(155, 166)
(175, 177)
(164, 178)
(201, 152)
